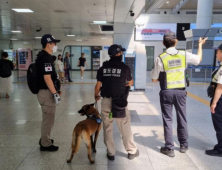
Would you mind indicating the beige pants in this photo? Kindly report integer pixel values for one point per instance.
(124, 125)
(47, 102)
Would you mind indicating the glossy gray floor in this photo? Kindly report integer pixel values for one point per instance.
(20, 120)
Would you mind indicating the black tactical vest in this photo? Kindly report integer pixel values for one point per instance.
(114, 79)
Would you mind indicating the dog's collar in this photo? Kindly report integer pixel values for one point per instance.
(93, 117)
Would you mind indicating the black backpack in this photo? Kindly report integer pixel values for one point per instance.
(5, 70)
(32, 78)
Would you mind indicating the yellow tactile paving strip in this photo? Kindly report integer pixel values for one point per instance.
(199, 99)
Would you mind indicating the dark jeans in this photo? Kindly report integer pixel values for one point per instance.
(168, 98)
(68, 74)
(217, 123)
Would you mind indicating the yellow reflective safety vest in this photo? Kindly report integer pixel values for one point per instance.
(173, 76)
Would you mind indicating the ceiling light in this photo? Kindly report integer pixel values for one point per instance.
(22, 10)
(99, 22)
(38, 37)
(78, 39)
(104, 38)
(167, 2)
(70, 35)
(16, 31)
(13, 39)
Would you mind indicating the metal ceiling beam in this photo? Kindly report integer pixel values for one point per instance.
(152, 5)
(179, 6)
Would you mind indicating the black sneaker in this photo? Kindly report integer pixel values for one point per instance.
(52, 141)
(70, 81)
(183, 148)
(213, 152)
(111, 158)
(168, 152)
(50, 148)
(132, 156)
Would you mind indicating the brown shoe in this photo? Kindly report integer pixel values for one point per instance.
(132, 156)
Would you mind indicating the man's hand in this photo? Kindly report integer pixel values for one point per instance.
(202, 41)
(129, 83)
(57, 98)
(97, 98)
(212, 108)
(155, 80)
(60, 93)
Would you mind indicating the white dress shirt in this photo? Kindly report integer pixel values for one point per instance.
(158, 65)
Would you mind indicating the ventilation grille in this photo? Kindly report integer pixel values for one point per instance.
(191, 12)
(208, 45)
(217, 12)
(156, 12)
(189, 45)
(67, 28)
(60, 11)
(195, 12)
(106, 27)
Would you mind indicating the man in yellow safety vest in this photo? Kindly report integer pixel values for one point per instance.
(169, 70)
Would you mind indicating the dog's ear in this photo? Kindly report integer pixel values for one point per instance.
(90, 110)
(87, 107)
(92, 104)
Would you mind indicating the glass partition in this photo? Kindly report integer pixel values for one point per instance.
(75, 54)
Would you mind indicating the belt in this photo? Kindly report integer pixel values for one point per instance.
(175, 89)
(114, 97)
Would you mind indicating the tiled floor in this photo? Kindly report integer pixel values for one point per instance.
(20, 121)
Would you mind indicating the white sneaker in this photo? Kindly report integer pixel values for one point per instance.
(81, 78)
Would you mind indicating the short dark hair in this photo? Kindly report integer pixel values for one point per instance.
(82, 53)
(4, 55)
(44, 46)
(59, 55)
(169, 42)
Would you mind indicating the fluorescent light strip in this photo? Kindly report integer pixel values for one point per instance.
(16, 31)
(78, 40)
(70, 35)
(13, 39)
(22, 10)
(38, 37)
(99, 22)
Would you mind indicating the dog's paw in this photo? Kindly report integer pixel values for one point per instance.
(92, 162)
(68, 161)
(94, 150)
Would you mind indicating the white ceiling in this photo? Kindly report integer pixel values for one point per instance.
(62, 17)
(58, 17)
(190, 5)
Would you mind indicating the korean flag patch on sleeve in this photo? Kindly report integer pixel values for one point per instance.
(48, 67)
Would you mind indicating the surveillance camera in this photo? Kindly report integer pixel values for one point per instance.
(38, 30)
(132, 13)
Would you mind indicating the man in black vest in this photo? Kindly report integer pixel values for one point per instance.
(113, 79)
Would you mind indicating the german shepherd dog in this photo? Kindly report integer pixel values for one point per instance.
(85, 130)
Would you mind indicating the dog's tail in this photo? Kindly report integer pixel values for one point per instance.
(76, 141)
